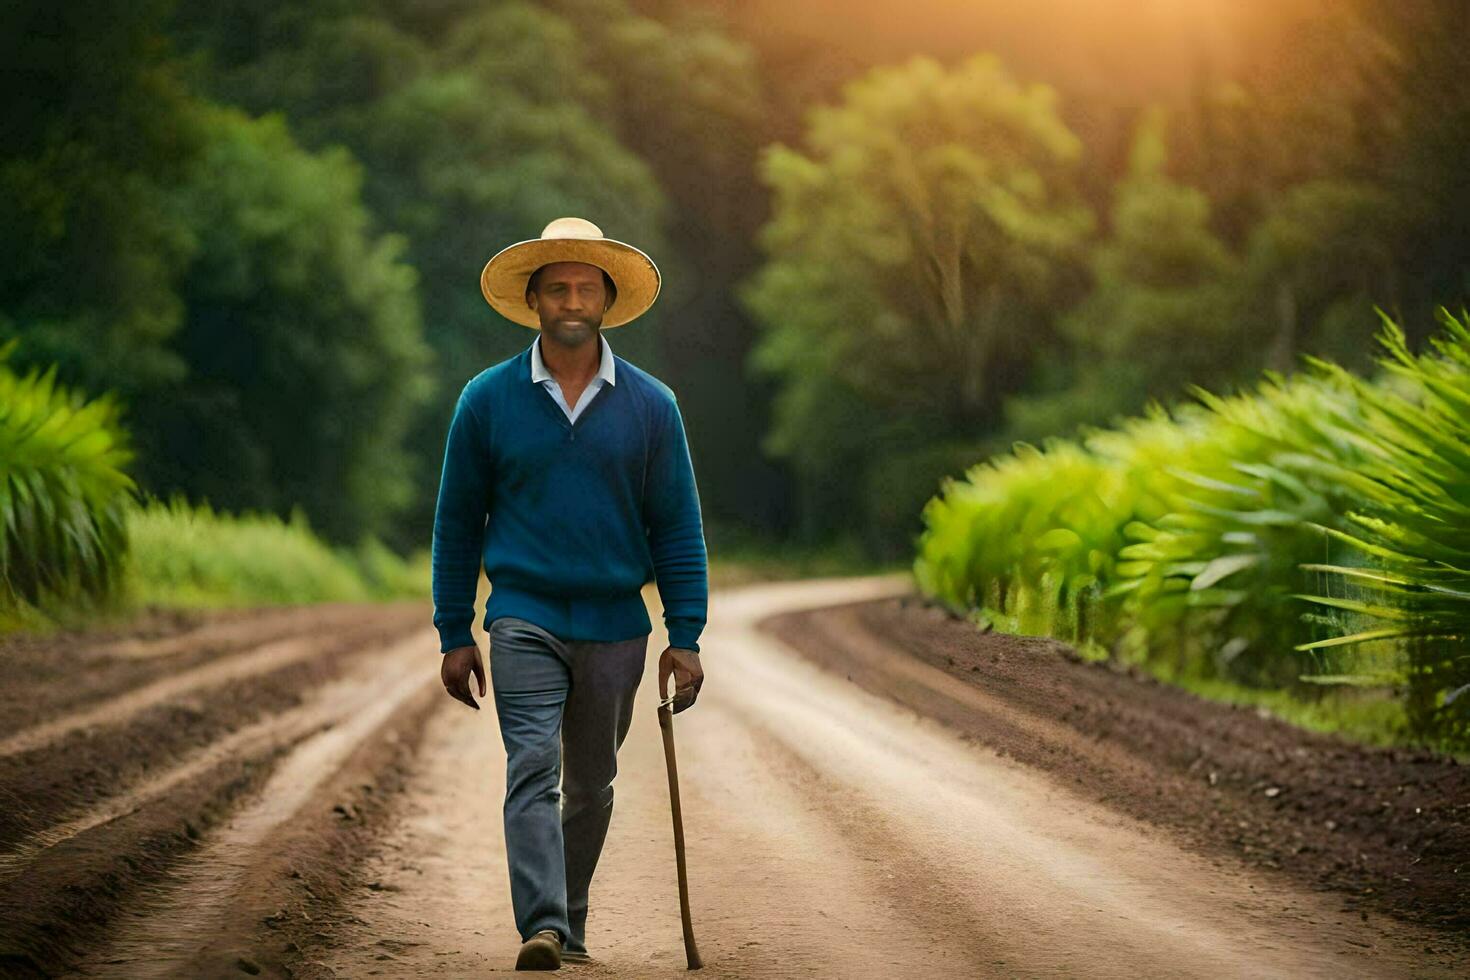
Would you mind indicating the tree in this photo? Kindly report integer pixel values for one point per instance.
(1317, 264)
(302, 336)
(691, 101)
(1164, 310)
(98, 128)
(471, 127)
(919, 251)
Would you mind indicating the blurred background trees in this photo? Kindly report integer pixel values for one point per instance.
(895, 238)
(301, 331)
(919, 252)
(1163, 274)
(98, 130)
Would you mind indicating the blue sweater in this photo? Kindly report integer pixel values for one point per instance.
(570, 520)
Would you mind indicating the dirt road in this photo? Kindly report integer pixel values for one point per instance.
(295, 792)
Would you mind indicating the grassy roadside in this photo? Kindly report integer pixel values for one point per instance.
(181, 556)
(186, 556)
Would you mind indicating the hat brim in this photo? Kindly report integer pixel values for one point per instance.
(504, 278)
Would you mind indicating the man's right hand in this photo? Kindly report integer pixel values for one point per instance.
(455, 673)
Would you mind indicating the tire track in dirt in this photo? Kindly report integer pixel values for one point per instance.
(324, 709)
(86, 866)
(422, 902)
(233, 667)
(79, 771)
(45, 677)
(246, 628)
(169, 932)
(1020, 883)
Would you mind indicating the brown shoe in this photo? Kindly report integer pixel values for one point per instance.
(541, 952)
(575, 956)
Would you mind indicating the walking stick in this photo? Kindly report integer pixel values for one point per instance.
(666, 724)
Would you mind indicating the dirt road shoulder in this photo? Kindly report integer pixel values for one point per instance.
(1388, 829)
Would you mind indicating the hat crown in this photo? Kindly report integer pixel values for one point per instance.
(571, 228)
(570, 239)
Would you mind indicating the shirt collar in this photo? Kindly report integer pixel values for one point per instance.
(607, 370)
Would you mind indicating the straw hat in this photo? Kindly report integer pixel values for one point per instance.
(504, 278)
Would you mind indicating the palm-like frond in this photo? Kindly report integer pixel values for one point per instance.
(1195, 535)
(63, 489)
(1413, 523)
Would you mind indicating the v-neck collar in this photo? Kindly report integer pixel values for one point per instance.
(548, 400)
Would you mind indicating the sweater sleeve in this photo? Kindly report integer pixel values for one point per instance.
(459, 527)
(676, 534)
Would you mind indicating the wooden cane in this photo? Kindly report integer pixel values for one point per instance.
(666, 725)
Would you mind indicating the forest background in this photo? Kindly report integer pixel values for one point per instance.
(896, 238)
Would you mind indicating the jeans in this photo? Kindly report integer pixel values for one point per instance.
(564, 709)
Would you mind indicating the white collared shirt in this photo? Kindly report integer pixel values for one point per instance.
(606, 374)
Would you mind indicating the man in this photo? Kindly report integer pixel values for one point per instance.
(567, 474)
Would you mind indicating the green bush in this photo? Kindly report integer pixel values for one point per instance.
(185, 555)
(78, 545)
(63, 493)
(1313, 532)
(1409, 526)
(1207, 580)
(1025, 541)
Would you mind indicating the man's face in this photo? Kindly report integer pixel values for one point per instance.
(570, 299)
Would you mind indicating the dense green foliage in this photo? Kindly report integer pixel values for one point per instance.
(98, 128)
(263, 339)
(1411, 524)
(301, 332)
(1322, 514)
(77, 544)
(478, 123)
(63, 491)
(260, 224)
(1162, 275)
(1247, 228)
(919, 249)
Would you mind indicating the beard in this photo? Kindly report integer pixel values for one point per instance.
(573, 334)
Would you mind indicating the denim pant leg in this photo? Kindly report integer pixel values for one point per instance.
(599, 709)
(530, 671)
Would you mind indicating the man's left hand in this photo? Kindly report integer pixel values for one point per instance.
(688, 676)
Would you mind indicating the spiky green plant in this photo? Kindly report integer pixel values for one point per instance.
(1026, 541)
(1189, 538)
(1410, 522)
(1212, 579)
(62, 491)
